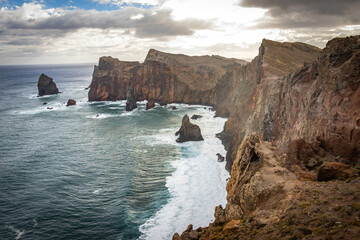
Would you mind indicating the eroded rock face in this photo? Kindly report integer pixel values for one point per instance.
(188, 131)
(46, 86)
(317, 102)
(259, 186)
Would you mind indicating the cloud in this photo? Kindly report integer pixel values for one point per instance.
(146, 22)
(128, 2)
(307, 13)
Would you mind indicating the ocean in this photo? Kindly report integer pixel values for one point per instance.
(95, 171)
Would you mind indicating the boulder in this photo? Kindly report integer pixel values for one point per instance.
(195, 116)
(188, 131)
(71, 102)
(46, 86)
(150, 104)
(173, 108)
(334, 171)
(130, 101)
(220, 157)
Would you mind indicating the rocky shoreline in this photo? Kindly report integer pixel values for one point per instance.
(303, 105)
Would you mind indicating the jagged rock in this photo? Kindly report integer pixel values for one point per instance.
(46, 86)
(188, 131)
(173, 108)
(220, 157)
(195, 117)
(259, 186)
(130, 101)
(150, 104)
(71, 102)
(219, 214)
(334, 171)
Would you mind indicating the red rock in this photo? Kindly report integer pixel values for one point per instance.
(150, 104)
(71, 102)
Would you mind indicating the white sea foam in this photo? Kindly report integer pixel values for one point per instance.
(101, 116)
(18, 232)
(52, 106)
(97, 191)
(196, 186)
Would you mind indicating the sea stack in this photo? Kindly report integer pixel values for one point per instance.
(150, 104)
(46, 86)
(130, 100)
(188, 131)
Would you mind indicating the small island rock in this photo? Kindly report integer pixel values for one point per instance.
(195, 116)
(130, 100)
(220, 157)
(71, 102)
(188, 131)
(46, 86)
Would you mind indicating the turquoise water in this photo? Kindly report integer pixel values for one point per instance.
(95, 171)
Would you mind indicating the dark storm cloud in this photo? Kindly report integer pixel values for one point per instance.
(307, 13)
(152, 24)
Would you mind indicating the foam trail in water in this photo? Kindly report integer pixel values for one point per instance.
(196, 186)
(18, 232)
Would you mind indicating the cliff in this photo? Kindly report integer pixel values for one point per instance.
(311, 118)
(303, 103)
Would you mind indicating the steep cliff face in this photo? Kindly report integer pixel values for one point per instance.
(318, 103)
(166, 78)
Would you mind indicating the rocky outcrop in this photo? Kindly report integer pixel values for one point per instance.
(267, 201)
(220, 157)
(334, 171)
(150, 104)
(318, 103)
(71, 102)
(259, 186)
(188, 131)
(195, 117)
(46, 86)
(130, 100)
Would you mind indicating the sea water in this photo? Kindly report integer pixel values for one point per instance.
(95, 171)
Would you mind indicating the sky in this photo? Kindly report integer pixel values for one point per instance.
(70, 31)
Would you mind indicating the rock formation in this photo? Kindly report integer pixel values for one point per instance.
(267, 201)
(188, 131)
(220, 157)
(71, 102)
(195, 116)
(130, 100)
(46, 86)
(150, 104)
